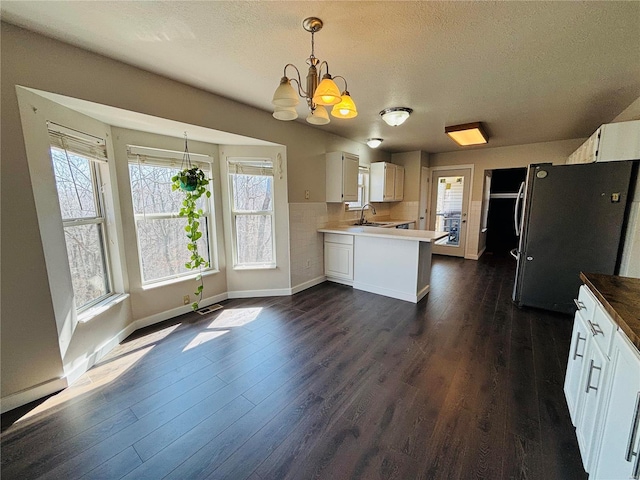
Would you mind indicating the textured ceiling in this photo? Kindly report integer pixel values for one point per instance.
(531, 71)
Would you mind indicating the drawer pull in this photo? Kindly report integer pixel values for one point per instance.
(575, 352)
(595, 328)
(592, 367)
(579, 304)
(632, 437)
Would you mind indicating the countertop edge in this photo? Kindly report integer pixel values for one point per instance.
(632, 333)
(384, 233)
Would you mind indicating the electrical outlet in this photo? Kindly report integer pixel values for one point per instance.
(306, 194)
(186, 300)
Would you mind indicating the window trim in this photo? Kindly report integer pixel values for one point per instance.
(366, 187)
(96, 163)
(172, 160)
(268, 166)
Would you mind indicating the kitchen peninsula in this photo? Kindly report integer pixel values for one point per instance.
(387, 261)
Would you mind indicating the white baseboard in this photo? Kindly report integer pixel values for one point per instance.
(339, 280)
(475, 256)
(387, 292)
(97, 355)
(276, 292)
(308, 284)
(175, 312)
(31, 394)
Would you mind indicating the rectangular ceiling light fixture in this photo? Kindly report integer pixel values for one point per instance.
(467, 134)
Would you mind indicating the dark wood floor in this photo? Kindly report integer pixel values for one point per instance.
(330, 383)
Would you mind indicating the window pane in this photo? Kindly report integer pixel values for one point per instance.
(252, 192)
(254, 239)
(151, 189)
(88, 270)
(75, 185)
(449, 209)
(163, 247)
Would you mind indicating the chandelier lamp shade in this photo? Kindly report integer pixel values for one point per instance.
(318, 92)
(396, 115)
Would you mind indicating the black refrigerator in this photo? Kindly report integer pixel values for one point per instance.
(569, 219)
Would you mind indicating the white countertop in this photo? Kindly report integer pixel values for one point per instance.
(400, 234)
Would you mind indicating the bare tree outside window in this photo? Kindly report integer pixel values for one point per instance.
(162, 242)
(252, 210)
(77, 182)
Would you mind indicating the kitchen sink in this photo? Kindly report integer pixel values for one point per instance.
(372, 224)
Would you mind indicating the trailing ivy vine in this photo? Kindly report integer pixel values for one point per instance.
(193, 182)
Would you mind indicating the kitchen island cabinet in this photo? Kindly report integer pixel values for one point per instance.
(391, 262)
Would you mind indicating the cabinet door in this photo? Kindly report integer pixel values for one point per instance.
(398, 194)
(593, 388)
(620, 447)
(577, 354)
(389, 181)
(338, 260)
(350, 178)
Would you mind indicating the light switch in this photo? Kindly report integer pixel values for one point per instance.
(615, 197)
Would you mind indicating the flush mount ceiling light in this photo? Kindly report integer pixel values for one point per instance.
(467, 134)
(396, 115)
(374, 142)
(317, 94)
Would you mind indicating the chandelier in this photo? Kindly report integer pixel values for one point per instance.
(317, 94)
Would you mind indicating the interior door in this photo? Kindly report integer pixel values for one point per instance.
(449, 204)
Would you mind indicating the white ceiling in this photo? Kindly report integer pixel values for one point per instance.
(531, 71)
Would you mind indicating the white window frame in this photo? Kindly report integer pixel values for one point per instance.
(364, 175)
(138, 155)
(266, 164)
(92, 149)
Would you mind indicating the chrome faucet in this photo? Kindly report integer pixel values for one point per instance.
(373, 210)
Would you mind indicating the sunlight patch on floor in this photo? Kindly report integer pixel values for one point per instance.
(235, 317)
(204, 337)
(100, 376)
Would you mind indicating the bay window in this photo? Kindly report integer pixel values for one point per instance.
(252, 212)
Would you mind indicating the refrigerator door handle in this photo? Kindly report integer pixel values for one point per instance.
(516, 216)
(514, 253)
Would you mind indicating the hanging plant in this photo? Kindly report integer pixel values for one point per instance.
(193, 182)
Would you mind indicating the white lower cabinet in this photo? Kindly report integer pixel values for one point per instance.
(619, 456)
(602, 388)
(593, 387)
(338, 257)
(577, 354)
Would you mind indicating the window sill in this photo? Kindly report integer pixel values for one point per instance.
(99, 308)
(255, 267)
(172, 281)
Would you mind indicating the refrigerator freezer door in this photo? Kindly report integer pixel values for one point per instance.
(572, 222)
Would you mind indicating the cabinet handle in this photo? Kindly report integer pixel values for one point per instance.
(575, 352)
(595, 328)
(632, 437)
(579, 304)
(592, 367)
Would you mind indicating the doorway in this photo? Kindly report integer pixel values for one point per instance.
(449, 212)
(501, 235)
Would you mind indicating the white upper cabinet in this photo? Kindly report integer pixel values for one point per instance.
(398, 191)
(610, 142)
(386, 182)
(342, 177)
